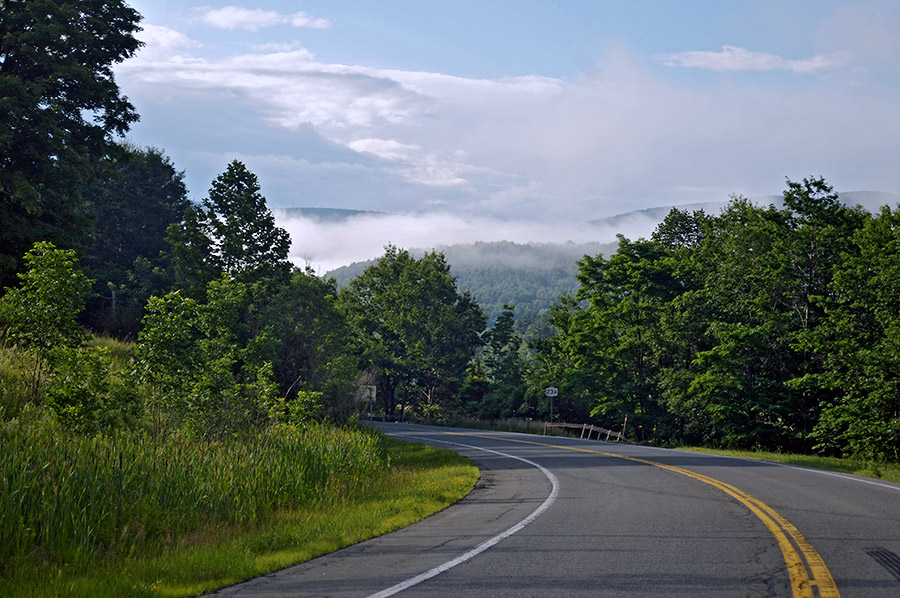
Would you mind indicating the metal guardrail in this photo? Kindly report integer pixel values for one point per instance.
(589, 429)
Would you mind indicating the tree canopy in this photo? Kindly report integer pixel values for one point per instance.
(760, 327)
(233, 232)
(413, 327)
(60, 111)
(139, 195)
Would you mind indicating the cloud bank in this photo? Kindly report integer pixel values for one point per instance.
(326, 245)
(459, 154)
(234, 17)
(732, 58)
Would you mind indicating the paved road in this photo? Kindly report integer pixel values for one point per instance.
(560, 517)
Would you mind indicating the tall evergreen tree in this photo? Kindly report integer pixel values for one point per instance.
(504, 367)
(232, 233)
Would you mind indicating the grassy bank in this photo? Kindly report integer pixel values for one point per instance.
(872, 469)
(116, 515)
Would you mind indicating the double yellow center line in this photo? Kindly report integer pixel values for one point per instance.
(805, 566)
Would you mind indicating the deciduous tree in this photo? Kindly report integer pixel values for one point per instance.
(132, 205)
(60, 110)
(413, 326)
(42, 312)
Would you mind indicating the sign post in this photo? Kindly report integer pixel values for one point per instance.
(552, 392)
(368, 396)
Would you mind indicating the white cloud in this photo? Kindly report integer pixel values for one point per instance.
(293, 89)
(162, 42)
(234, 17)
(616, 139)
(732, 58)
(389, 149)
(301, 19)
(274, 47)
(415, 165)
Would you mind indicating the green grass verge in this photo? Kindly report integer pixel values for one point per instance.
(882, 471)
(422, 481)
(119, 350)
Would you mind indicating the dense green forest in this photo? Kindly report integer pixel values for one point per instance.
(531, 276)
(760, 327)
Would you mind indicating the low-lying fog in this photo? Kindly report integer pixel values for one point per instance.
(338, 238)
(326, 244)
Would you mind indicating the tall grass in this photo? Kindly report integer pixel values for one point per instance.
(14, 365)
(119, 350)
(67, 499)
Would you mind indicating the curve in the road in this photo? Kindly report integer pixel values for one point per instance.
(805, 566)
(554, 492)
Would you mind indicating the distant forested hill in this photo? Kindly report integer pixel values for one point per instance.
(532, 290)
(534, 275)
(530, 275)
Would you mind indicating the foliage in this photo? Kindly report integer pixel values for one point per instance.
(232, 233)
(132, 205)
(60, 108)
(760, 327)
(504, 368)
(200, 368)
(313, 337)
(85, 394)
(413, 327)
(41, 313)
(555, 364)
(167, 356)
(862, 341)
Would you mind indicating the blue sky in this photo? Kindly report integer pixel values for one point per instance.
(517, 119)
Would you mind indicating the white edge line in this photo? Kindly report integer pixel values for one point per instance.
(403, 585)
(844, 476)
(835, 474)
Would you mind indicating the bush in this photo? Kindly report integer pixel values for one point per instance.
(85, 395)
(41, 314)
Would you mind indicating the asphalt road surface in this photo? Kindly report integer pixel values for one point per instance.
(553, 517)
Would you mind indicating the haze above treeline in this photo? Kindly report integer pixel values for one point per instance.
(332, 240)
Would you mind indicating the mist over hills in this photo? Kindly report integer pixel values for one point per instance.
(323, 214)
(531, 275)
